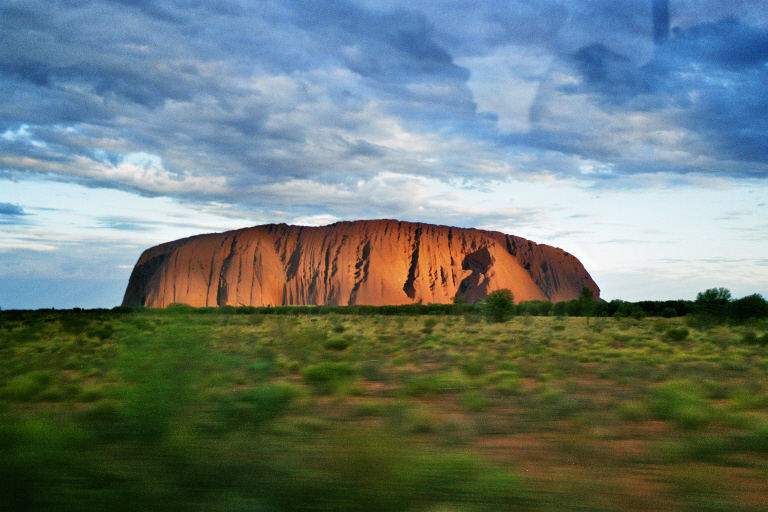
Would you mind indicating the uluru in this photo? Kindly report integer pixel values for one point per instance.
(373, 262)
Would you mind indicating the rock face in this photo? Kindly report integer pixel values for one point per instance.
(375, 262)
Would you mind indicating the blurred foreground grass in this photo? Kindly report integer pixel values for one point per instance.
(160, 410)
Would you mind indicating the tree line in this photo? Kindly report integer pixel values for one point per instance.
(716, 304)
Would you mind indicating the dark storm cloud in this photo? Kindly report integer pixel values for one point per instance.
(607, 72)
(706, 83)
(196, 100)
(724, 52)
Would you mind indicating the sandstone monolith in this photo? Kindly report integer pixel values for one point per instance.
(376, 262)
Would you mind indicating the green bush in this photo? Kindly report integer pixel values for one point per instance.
(700, 448)
(102, 332)
(505, 382)
(429, 325)
(750, 338)
(426, 385)
(371, 370)
(368, 409)
(682, 402)
(261, 404)
(676, 334)
(555, 404)
(328, 377)
(28, 386)
(633, 411)
(499, 306)
(508, 386)
(755, 440)
(261, 369)
(752, 306)
(336, 344)
(668, 312)
(475, 401)
(473, 366)
(105, 411)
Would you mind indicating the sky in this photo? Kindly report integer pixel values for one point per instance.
(632, 134)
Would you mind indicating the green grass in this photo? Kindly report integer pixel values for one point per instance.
(232, 410)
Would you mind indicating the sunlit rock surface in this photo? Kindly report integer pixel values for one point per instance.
(376, 262)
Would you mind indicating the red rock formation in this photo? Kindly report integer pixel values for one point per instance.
(364, 262)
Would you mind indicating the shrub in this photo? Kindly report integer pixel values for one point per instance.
(499, 306)
(676, 334)
(261, 369)
(28, 385)
(102, 333)
(505, 382)
(371, 370)
(261, 404)
(475, 401)
(554, 404)
(327, 377)
(701, 321)
(103, 411)
(425, 385)
(668, 312)
(368, 409)
(682, 402)
(429, 325)
(699, 448)
(713, 302)
(473, 366)
(751, 306)
(74, 322)
(508, 386)
(756, 440)
(633, 411)
(750, 338)
(336, 344)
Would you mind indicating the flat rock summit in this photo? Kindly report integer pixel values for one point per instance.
(376, 262)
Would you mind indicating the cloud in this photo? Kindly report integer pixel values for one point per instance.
(231, 102)
(660, 21)
(137, 224)
(124, 224)
(11, 210)
(12, 214)
(697, 106)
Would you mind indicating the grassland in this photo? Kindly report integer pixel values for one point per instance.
(188, 410)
